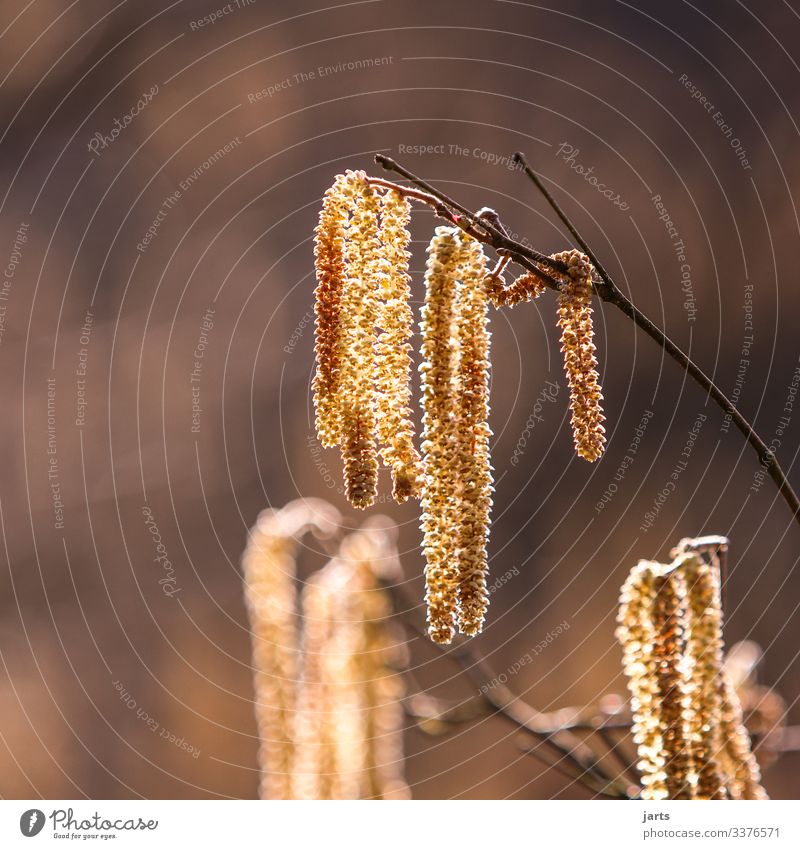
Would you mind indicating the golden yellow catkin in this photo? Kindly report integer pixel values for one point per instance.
(705, 651)
(683, 699)
(358, 317)
(743, 775)
(350, 704)
(472, 434)
(527, 287)
(329, 240)
(728, 743)
(381, 653)
(315, 773)
(268, 565)
(393, 381)
(669, 653)
(580, 363)
(636, 633)
(437, 370)
(347, 692)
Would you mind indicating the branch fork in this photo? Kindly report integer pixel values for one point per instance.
(485, 225)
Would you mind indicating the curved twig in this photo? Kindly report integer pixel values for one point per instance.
(488, 230)
(502, 702)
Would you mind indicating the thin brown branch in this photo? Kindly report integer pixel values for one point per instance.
(505, 704)
(608, 291)
(485, 228)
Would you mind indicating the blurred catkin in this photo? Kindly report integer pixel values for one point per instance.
(437, 370)
(395, 429)
(330, 267)
(723, 739)
(580, 363)
(315, 775)
(705, 650)
(472, 434)
(636, 633)
(687, 720)
(268, 565)
(381, 652)
(763, 707)
(349, 725)
(669, 652)
(743, 775)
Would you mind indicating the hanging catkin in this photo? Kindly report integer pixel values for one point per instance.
(395, 430)
(362, 387)
(329, 240)
(580, 364)
(527, 287)
(315, 772)
(687, 719)
(350, 717)
(669, 654)
(705, 649)
(381, 652)
(359, 309)
(268, 565)
(727, 758)
(472, 434)
(636, 633)
(743, 776)
(439, 521)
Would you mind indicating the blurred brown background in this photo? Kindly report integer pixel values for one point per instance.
(228, 132)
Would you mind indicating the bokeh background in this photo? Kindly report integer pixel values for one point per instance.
(228, 133)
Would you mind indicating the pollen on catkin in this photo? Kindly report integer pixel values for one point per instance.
(437, 370)
(687, 719)
(472, 434)
(705, 652)
(329, 260)
(395, 429)
(743, 775)
(580, 363)
(669, 652)
(268, 565)
(724, 742)
(358, 317)
(637, 635)
(526, 287)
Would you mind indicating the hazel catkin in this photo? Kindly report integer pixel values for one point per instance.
(439, 520)
(725, 754)
(359, 309)
(393, 363)
(687, 720)
(472, 434)
(329, 260)
(580, 363)
(268, 565)
(636, 633)
(705, 650)
(526, 287)
(669, 653)
(349, 740)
